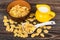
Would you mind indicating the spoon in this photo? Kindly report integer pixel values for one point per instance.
(40, 25)
(45, 23)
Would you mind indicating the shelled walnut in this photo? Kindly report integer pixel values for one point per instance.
(18, 11)
(23, 29)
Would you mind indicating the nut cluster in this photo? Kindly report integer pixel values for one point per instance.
(21, 30)
(18, 11)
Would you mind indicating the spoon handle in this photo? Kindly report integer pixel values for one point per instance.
(46, 23)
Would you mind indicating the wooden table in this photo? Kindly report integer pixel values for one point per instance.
(54, 33)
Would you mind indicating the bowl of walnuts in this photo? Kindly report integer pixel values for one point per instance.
(18, 8)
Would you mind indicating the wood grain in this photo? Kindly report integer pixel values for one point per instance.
(54, 33)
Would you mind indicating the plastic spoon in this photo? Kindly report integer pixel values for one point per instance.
(45, 23)
(41, 24)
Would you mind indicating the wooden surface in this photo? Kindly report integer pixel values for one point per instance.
(54, 33)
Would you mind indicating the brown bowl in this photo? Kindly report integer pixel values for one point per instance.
(20, 2)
